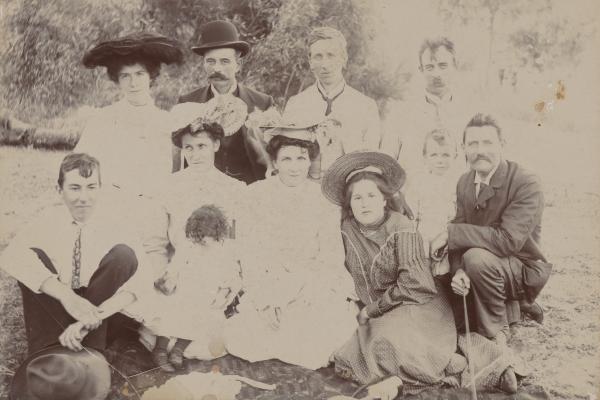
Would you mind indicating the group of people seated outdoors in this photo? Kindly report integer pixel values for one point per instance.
(315, 236)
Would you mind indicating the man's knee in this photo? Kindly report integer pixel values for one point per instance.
(479, 263)
(123, 257)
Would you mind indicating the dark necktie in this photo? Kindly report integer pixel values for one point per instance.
(328, 100)
(76, 272)
(482, 186)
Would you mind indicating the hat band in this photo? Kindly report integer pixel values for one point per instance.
(368, 168)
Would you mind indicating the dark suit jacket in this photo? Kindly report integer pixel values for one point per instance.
(236, 157)
(505, 219)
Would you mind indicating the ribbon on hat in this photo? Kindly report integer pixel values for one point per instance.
(368, 168)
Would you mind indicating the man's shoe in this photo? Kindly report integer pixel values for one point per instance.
(176, 358)
(533, 311)
(508, 381)
(161, 359)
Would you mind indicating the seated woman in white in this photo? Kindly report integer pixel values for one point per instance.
(295, 304)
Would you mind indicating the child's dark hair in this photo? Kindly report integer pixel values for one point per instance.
(206, 221)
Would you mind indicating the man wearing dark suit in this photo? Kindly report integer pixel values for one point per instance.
(493, 242)
(222, 51)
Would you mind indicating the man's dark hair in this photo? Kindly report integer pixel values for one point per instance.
(480, 120)
(114, 68)
(85, 163)
(433, 44)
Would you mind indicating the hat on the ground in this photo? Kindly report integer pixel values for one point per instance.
(57, 373)
(219, 34)
(142, 44)
(338, 174)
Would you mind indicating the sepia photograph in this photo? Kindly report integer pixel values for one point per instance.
(299, 199)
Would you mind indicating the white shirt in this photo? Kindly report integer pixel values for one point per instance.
(54, 231)
(479, 180)
(358, 115)
(337, 89)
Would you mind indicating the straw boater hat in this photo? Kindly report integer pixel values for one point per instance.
(140, 44)
(220, 34)
(338, 174)
(59, 373)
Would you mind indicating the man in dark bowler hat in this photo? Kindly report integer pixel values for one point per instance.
(222, 53)
(494, 240)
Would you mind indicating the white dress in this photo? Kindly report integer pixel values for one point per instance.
(292, 258)
(187, 313)
(133, 145)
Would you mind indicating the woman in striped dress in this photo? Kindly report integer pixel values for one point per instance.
(406, 336)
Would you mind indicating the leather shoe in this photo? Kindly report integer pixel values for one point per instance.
(532, 311)
(508, 381)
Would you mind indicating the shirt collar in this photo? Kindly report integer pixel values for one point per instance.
(435, 100)
(339, 88)
(487, 179)
(231, 90)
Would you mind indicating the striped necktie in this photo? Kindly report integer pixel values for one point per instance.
(76, 261)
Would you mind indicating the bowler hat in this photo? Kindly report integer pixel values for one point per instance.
(142, 44)
(219, 34)
(57, 373)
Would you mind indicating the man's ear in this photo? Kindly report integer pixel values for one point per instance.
(58, 189)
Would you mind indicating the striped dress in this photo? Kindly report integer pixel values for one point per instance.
(411, 332)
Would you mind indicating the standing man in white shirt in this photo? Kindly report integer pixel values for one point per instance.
(76, 264)
(331, 97)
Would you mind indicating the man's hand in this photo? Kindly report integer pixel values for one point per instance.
(461, 283)
(362, 316)
(436, 247)
(73, 335)
(82, 310)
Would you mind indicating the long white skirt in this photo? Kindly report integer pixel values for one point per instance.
(308, 333)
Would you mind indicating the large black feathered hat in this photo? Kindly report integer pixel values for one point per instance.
(141, 44)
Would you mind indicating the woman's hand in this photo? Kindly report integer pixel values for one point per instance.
(166, 284)
(363, 317)
(437, 245)
(461, 283)
(72, 336)
(385, 390)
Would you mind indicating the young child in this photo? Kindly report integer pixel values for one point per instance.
(203, 278)
(432, 192)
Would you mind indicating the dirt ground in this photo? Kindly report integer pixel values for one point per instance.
(563, 353)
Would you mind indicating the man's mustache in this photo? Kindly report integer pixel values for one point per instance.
(217, 75)
(482, 158)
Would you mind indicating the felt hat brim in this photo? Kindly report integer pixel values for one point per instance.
(145, 45)
(243, 47)
(96, 369)
(334, 181)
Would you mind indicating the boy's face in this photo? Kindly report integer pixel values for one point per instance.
(438, 158)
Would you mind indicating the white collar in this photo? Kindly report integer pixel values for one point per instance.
(339, 88)
(487, 179)
(231, 90)
(435, 100)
